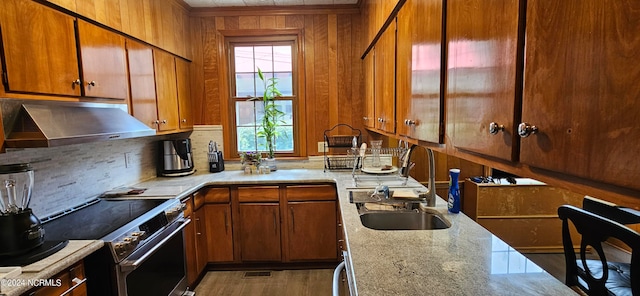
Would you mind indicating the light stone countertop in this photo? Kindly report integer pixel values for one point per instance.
(46, 268)
(464, 259)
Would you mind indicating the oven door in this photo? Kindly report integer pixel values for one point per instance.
(158, 268)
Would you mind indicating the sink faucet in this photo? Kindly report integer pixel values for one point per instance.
(430, 195)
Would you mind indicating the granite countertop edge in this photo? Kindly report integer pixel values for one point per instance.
(75, 251)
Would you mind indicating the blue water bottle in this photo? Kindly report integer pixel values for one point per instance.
(454, 191)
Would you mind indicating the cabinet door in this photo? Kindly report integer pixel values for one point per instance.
(260, 232)
(143, 87)
(219, 234)
(190, 242)
(482, 75)
(418, 70)
(384, 80)
(104, 62)
(184, 94)
(166, 90)
(369, 116)
(225, 243)
(312, 230)
(39, 46)
(581, 89)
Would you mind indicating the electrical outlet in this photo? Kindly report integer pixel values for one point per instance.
(320, 147)
(127, 159)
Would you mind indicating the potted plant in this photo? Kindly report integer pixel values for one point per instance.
(272, 117)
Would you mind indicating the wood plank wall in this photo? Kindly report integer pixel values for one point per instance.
(331, 88)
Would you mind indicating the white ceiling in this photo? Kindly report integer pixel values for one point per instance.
(228, 3)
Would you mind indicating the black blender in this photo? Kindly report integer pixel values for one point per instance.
(21, 233)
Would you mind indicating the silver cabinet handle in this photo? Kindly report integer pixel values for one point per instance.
(409, 122)
(365, 118)
(380, 119)
(525, 130)
(184, 120)
(76, 82)
(164, 121)
(92, 83)
(495, 128)
(77, 283)
(197, 226)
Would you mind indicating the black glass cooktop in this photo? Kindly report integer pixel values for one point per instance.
(97, 219)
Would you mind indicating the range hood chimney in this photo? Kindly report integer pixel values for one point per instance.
(52, 124)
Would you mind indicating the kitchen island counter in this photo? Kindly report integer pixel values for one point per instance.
(464, 259)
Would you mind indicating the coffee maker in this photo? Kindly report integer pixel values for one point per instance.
(20, 230)
(176, 158)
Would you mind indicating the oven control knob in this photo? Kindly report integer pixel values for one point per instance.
(141, 235)
(120, 248)
(131, 241)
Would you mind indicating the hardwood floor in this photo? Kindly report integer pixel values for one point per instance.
(284, 282)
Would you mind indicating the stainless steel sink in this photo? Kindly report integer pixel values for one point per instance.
(398, 220)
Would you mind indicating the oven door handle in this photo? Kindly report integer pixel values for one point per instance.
(129, 265)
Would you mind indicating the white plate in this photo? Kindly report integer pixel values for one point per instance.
(379, 170)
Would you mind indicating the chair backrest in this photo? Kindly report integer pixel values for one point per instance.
(594, 230)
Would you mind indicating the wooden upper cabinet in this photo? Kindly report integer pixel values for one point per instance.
(66, 4)
(39, 49)
(581, 89)
(184, 94)
(104, 62)
(166, 90)
(482, 75)
(142, 83)
(106, 12)
(419, 97)
(384, 80)
(369, 91)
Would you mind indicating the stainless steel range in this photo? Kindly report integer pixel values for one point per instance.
(144, 245)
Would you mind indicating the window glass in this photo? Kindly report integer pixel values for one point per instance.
(275, 61)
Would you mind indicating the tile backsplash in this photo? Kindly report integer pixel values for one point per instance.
(67, 176)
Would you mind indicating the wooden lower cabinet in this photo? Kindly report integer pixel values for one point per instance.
(260, 232)
(71, 279)
(312, 230)
(190, 243)
(218, 232)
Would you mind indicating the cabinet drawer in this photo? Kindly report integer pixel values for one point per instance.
(215, 195)
(259, 194)
(311, 192)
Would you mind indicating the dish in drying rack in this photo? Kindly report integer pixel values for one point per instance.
(379, 170)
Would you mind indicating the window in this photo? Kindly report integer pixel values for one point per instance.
(276, 59)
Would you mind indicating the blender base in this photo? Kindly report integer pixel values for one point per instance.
(47, 248)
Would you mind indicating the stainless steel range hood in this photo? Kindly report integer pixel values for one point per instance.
(52, 124)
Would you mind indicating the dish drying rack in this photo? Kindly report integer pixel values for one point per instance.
(344, 141)
(361, 178)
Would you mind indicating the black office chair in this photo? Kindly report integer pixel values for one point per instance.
(597, 222)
